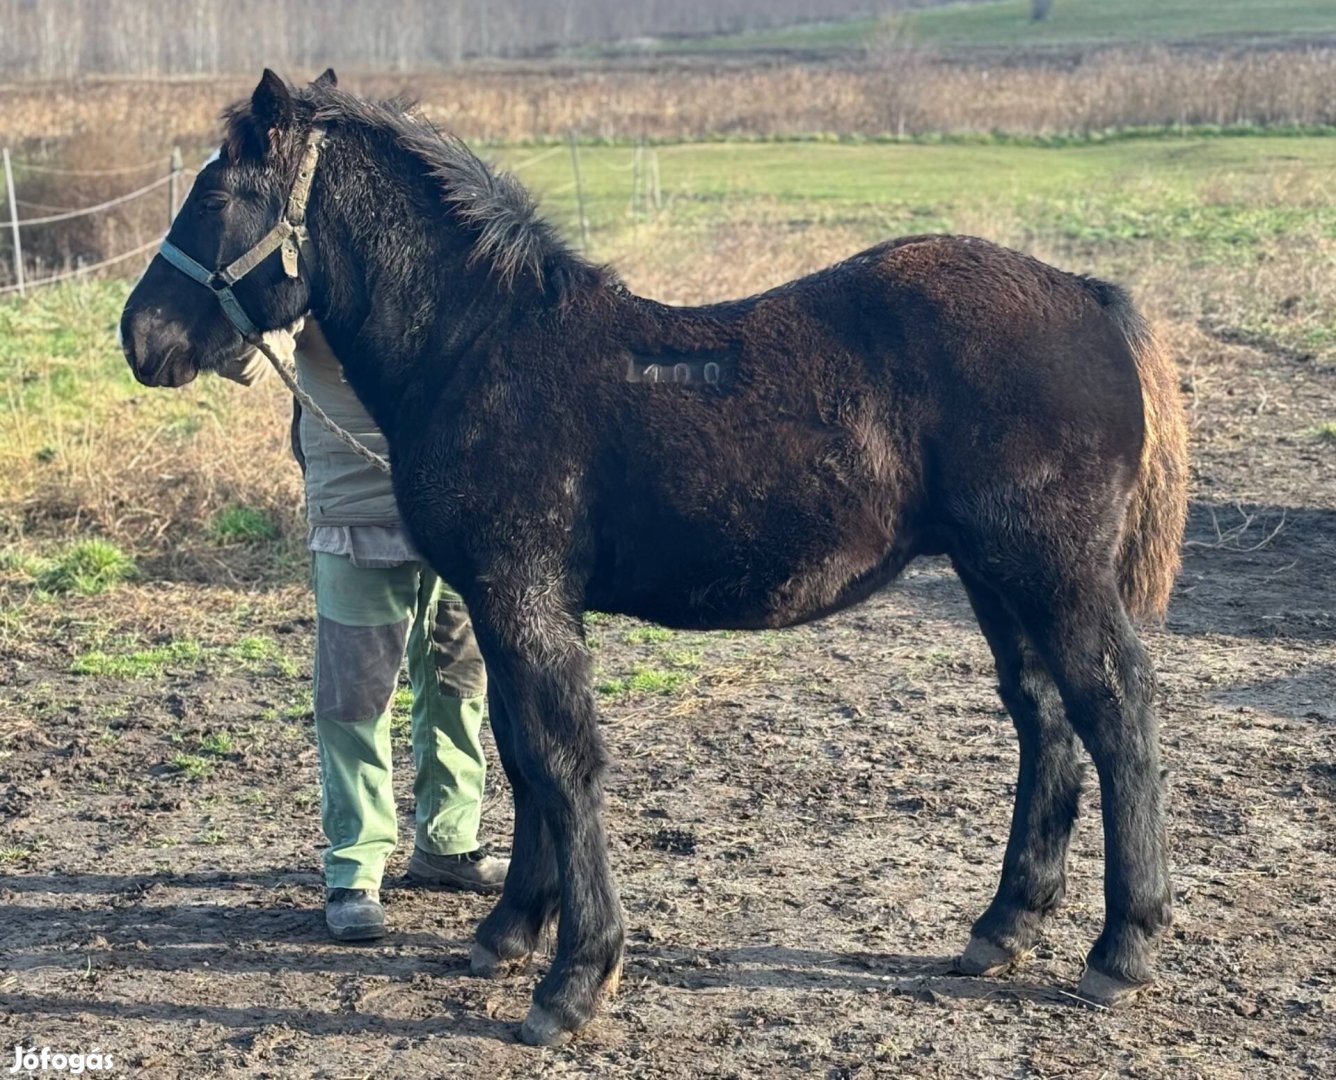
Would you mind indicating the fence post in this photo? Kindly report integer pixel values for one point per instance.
(175, 166)
(637, 181)
(14, 223)
(579, 194)
(655, 188)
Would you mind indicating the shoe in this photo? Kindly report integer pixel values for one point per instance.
(476, 871)
(354, 914)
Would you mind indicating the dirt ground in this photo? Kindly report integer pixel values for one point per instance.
(803, 826)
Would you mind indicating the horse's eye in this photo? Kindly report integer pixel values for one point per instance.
(213, 202)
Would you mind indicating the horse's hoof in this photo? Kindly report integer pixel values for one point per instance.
(541, 1028)
(984, 957)
(612, 983)
(1106, 990)
(485, 964)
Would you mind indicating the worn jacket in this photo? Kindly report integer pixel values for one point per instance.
(341, 488)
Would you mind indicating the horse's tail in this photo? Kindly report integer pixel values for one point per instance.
(1149, 554)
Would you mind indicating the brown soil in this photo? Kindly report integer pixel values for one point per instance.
(802, 831)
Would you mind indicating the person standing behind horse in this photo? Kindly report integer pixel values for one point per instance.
(375, 600)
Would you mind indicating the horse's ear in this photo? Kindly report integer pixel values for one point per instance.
(271, 104)
(326, 78)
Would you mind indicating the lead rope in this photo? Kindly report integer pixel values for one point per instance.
(290, 381)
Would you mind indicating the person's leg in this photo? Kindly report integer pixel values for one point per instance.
(363, 618)
(449, 694)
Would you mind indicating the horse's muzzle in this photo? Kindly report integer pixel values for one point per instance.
(158, 355)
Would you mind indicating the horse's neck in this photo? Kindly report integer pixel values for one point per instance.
(403, 326)
(399, 368)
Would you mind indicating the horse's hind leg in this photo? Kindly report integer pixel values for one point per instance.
(512, 930)
(1048, 792)
(1080, 629)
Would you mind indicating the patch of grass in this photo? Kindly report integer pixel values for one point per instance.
(12, 853)
(644, 634)
(217, 744)
(302, 707)
(17, 561)
(242, 525)
(1132, 22)
(87, 568)
(645, 680)
(401, 717)
(141, 664)
(192, 766)
(1325, 432)
(258, 650)
(1226, 193)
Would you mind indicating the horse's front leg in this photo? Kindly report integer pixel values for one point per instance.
(507, 937)
(542, 672)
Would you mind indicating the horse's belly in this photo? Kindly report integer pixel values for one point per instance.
(780, 570)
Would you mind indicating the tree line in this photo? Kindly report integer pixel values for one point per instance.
(67, 38)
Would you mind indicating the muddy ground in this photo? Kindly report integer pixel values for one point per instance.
(803, 826)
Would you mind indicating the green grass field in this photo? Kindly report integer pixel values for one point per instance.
(1220, 195)
(1072, 23)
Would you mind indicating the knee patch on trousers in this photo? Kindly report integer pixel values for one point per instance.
(459, 667)
(357, 669)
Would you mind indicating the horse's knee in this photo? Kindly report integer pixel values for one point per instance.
(563, 778)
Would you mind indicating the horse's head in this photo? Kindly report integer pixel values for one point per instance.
(236, 261)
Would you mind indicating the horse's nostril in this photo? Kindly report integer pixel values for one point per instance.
(129, 341)
(142, 343)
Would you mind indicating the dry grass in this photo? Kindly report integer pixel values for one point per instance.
(900, 91)
(84, 240)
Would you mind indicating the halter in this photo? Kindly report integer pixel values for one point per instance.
(289, 235)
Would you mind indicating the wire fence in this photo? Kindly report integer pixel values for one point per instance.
(16, 224)
(644, 190)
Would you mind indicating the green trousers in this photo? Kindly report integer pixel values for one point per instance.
(366, 619)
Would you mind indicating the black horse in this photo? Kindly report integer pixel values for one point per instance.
(561, 445)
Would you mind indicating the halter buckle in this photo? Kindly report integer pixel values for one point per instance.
(289, 252)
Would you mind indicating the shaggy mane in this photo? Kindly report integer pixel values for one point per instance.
(509, 233)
